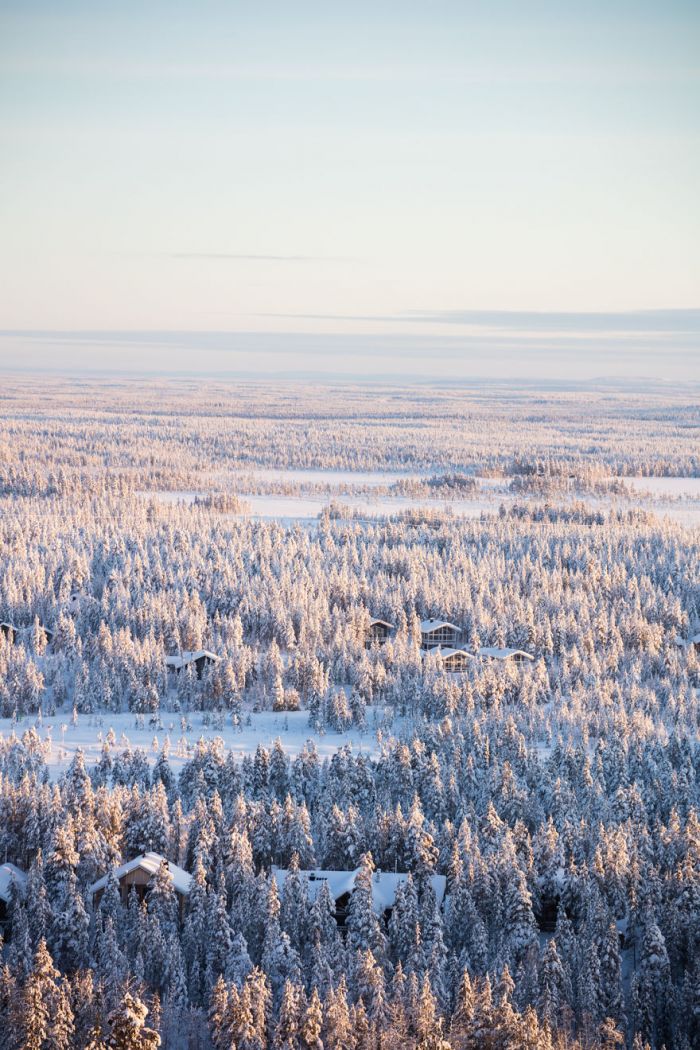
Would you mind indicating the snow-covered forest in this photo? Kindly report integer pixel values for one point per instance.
(558, 797)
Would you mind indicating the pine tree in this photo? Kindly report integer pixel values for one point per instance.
(463, 1014)
(47, 1018)
(552, 986)
(337, 1027)
(651, 986)
(288, 1030)
(128, 1029)
(312, 1023)
(218, 1006)
(364, 931)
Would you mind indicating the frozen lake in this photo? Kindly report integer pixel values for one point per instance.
(676, 498)
(677, 488)
(309, 507)
(277, 506)
(366, 478)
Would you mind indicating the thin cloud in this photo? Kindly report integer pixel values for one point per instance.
(250, 257)
(542, 322)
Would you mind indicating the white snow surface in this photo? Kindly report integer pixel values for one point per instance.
(675, 497)
(61, 739)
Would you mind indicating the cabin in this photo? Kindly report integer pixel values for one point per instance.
(342, 883)
(379, 631)
(439, 632)
(10, 875)
(15, 634)
(691, 643)
(451, 659)
(198, 659)
(9, 631)
(137, 873)
(516, 656)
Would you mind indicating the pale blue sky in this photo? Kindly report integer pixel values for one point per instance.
(367, 171)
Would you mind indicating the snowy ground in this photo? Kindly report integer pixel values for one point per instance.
(678, 488)
(62, 738)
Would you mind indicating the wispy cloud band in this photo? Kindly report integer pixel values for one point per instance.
(683, 320)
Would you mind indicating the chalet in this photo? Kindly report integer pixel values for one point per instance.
(137, 874)
(199, 659)
(342, 883)
(516, 656)
(15, 634)
(451, 659)
(9, 631)
(691, 643)
(378, 631)
(439, 632)
(9, 875)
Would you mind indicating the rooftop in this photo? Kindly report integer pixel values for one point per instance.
(384, 884)
(434, 625)
(445, 651)
(10, 873)
(185, 658)
(503, 654)
(150, 863)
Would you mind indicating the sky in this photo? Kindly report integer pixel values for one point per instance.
(387, 188)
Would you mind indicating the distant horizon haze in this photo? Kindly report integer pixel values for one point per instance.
(468, 186)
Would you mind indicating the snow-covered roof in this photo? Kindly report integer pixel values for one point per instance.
(10, 873)
(427, 626)
(5, 626)
(183, 659)
(374, 622)
(150, 863)
(384, 885)
(693, 640)
(445, 651)
(503, 654)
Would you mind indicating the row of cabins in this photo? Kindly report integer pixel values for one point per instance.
(136, 875)
(198, 660)
(441, 638)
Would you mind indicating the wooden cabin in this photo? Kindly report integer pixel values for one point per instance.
(439, 632)
(137, 873)
(9, 631)
(198, 659)
(379, 631)
(16, 634)
(342, 883)
(451, 659)
(691, 644)
(10, 875)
